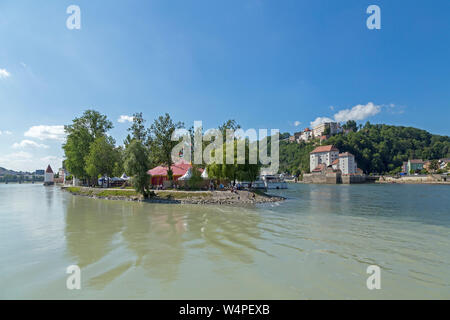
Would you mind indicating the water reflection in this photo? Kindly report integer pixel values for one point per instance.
(156, 239)
(49, 194)
(89, 230)
(158, 236)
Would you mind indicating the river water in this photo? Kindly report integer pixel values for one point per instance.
(315, 245)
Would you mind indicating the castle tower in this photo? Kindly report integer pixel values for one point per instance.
(48, 176)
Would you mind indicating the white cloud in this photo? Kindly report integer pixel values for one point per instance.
(29, 143)
(4, 74)
(297, 123)
(16, 161)
(8, 133)
(320, 120)
(46, 132)
(357, 113)
(25, 161)
(124, 118)
(394, 109)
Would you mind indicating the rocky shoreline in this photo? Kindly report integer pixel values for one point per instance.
(180, 197)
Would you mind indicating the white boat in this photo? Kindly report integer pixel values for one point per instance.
(275, 181)
(254, 185)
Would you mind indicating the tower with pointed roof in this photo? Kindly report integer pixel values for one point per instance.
(48, 176)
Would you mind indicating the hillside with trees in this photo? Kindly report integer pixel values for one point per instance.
(378, 148)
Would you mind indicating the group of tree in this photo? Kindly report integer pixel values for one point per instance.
(90, 152)
(378, 148)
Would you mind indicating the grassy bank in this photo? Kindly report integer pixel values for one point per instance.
(176, 196)
(103, 192)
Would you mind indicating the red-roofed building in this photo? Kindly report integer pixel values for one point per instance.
(330, 156)
(328, 148)
(323, 154)
(48, 176)
(306, 135)
(159, 173)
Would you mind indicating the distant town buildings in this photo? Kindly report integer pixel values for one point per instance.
(306, 135)
(39, 173)
(332, 128)
(322, 131)
(443, 163)
(413, 166)
(62, 174)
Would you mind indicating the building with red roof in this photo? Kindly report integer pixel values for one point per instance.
(328, 148)
(159, 173)
(323, 154)
(329, 156)
(49, 176)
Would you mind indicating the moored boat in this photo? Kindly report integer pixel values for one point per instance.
(275, 181)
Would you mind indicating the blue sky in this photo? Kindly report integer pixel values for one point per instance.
(267, 64)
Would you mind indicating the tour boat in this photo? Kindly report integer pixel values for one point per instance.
(274, 181)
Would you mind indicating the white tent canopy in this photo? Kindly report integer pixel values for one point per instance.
(187, 175)
(204, 174)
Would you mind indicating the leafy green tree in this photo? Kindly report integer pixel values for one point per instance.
(136, 166)
(161, 141)
(196, 180)
(350, 125)
(138, 131)
(101, 158)
(434, 165)
(229, 125)
(119, 159)
(235, 171)
(80, 135)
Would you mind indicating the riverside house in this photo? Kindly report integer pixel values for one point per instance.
(414, 165)
(323, 154)
(329, 166)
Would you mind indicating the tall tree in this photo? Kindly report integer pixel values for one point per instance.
(161, 143)
(80, 135)
(118, 165)
(136, 166)
(234, 171)
(101, 158)
(137, 130)
(350, 125)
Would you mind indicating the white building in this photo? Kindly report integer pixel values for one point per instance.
(323, 154)
(330, 156)
(49, 176)
(306, 135)
(319, 130)
(347, 163)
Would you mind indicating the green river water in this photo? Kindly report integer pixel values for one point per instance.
(315, 245)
